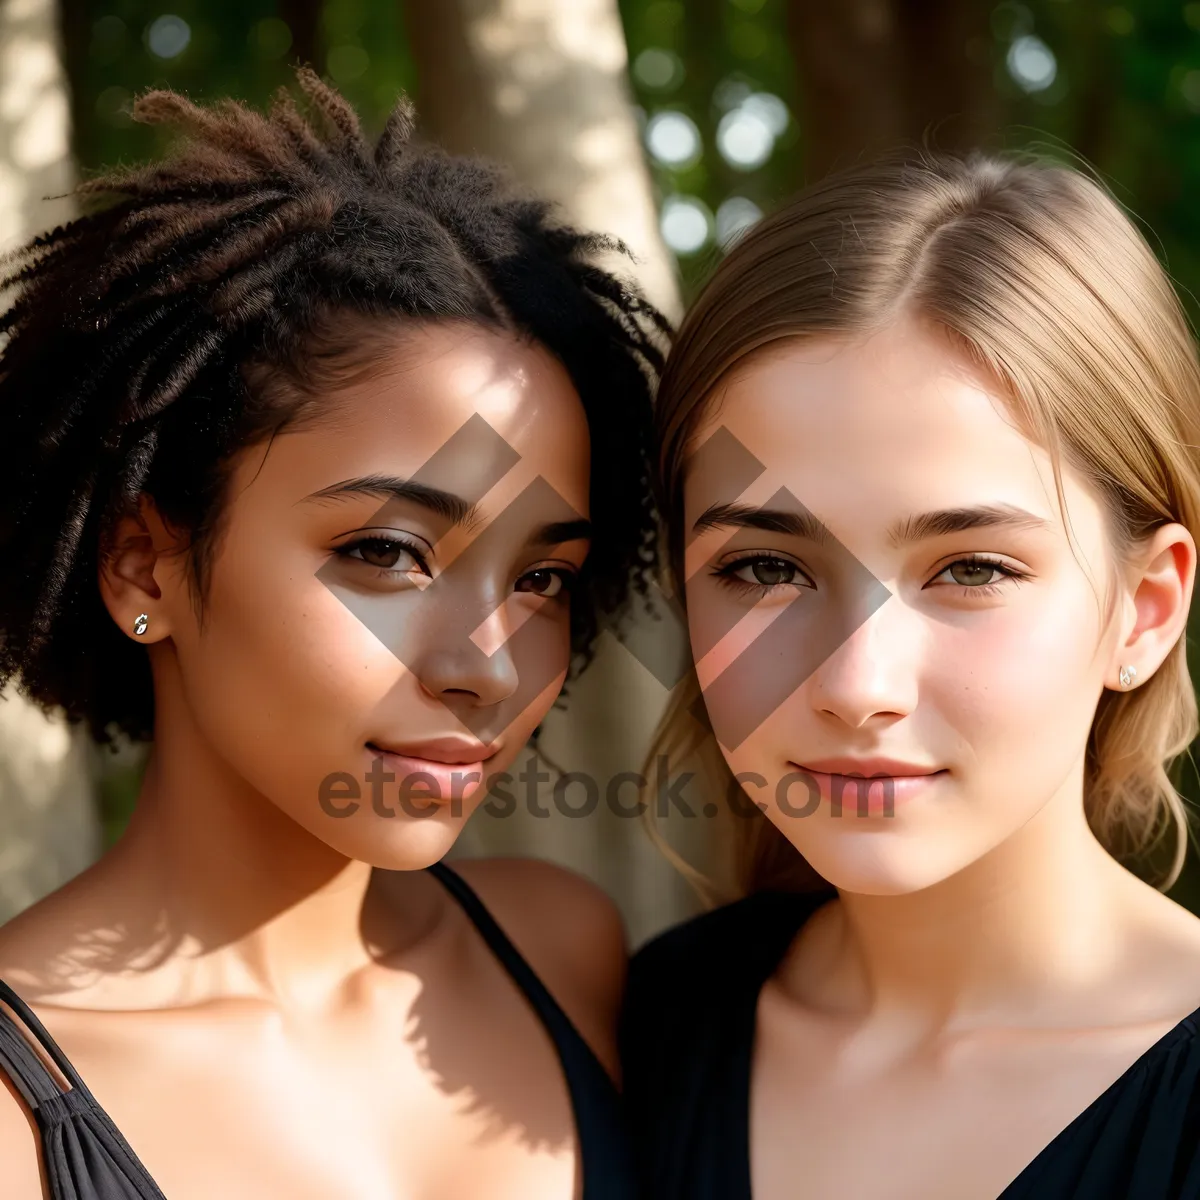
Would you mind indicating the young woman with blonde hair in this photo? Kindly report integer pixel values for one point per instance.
(928, 451)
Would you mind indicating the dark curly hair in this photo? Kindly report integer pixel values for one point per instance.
(199, 305)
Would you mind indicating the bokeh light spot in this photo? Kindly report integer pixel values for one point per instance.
(673, 139)
(744, 139)
(168, 36)
(686, 224)
(1032, 63)
(736, 215)
(658, 69)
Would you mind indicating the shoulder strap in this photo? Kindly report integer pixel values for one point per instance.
(551, 1013)
(604, 1152)
(95, 1160)
(19, 1060)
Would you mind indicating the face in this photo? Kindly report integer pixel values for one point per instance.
(894, 595)
(387, 617)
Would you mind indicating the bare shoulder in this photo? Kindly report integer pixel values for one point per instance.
(561, 921)
(1161, 960)
(570, 932)
(1179, 953)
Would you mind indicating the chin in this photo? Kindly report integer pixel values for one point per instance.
(878, 870)
(403, 843)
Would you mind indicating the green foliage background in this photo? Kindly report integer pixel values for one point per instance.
(1125, 98)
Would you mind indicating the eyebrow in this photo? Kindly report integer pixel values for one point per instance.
(391, 487)
(445, 504)
(769, 520)
(956, 520)
(917, 528)
(558, 532)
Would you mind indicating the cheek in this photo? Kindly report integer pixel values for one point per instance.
(282, 673)
(1026, 676)
(720, 629)
(289, 677)
(738, 693)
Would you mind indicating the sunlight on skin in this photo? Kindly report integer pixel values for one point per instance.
(995, 685)
(285, 678)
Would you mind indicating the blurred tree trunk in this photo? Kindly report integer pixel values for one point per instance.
(49, 829)
(541, 86)
(875, 74)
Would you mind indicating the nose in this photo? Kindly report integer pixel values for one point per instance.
(454, 669)
(872, 676)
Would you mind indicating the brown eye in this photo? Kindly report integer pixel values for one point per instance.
(381, 554)
(385, 553)
(542, 583)
(972, 574)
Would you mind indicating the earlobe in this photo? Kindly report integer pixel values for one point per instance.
(1162, 595)
(128, 586)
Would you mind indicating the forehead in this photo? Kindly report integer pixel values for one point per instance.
(452, 405)
(869, 427)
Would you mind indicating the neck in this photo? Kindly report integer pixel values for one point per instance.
(1020, 932)
(213, 891)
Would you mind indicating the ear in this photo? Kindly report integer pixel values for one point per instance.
(131, 573)
(1161, 579)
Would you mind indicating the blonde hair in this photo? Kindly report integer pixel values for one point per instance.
(1041, 277)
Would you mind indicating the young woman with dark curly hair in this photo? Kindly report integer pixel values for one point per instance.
(323, 462)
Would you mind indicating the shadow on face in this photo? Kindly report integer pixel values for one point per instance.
(893, 594)
(387, 617)
(385, 621)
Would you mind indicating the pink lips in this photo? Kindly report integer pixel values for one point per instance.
(866, 766)
(450, 769)
(450, 750)
(869, 786)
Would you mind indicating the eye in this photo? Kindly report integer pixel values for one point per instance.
(978, 574)
(388, 554)
(762, 572)
(547, 581)
(970, 572)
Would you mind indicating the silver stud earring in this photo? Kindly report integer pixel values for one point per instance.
(1128, 675)
(140, 625)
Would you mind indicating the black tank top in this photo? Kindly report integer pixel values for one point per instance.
(87, 1158)
(687, 1053)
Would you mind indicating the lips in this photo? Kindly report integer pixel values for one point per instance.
(869, 787)
(892, 767)
(450, 751)
(432, 774)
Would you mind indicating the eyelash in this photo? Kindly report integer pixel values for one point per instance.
(983, 560)
(727, 574)
(388, 543)
(569, 579)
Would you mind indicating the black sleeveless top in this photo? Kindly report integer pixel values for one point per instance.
(687, 1044)
(87, 1158)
